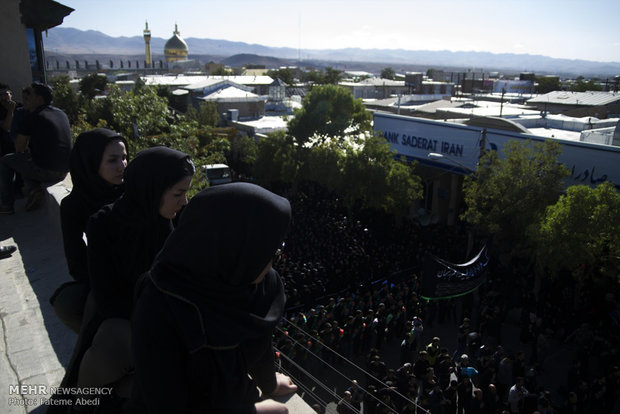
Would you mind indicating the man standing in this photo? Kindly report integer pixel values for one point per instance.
(42, 150)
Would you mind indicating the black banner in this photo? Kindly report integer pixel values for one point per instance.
(443, 280)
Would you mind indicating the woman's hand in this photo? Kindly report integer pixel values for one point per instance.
(284, 385)
(270, 407)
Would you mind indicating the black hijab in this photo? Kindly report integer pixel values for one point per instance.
(144, 230)
(224, 240)
(84, 163)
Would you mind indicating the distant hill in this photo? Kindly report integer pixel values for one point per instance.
(68, 41)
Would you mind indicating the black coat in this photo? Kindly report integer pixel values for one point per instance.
(89, 193)
(123, 240)
(201, 325)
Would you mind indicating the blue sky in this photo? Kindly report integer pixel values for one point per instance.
(571, 29)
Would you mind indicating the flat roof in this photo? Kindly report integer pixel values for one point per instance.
(590, 98)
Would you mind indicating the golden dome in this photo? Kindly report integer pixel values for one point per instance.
(176, 48)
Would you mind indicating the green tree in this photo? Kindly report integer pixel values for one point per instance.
(206, 115)
(221, 71)
(314, 77)
(144, 108)
(284, 74)
(582, 228)
(582, 86)
(92, 85)
(388, 73)
(332, 76)
(242, 155)
(276, 165)
(322, 163)
(507, 197)
(548, 84)
(373, 179)
(329, 111)
(66, 98)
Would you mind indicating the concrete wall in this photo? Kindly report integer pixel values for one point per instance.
(15, 68)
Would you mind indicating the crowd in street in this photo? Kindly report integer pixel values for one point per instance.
(366, 316)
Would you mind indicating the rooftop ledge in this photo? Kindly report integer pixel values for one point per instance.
(34, 345)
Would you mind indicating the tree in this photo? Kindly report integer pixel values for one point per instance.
(221, 71)
(548, 84)
(332, 76)
(507, 197)
(276, 165)
(388, 73)
(314, 77)
(321, 164)
(243, 153)
(92, 85)
(284, 74)
(66, 98)
(329, 111)
(373, 179)
(144, 108)
(581, 86)
(206, 116)
(582, 230)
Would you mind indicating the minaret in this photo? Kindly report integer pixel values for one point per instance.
(147, 45)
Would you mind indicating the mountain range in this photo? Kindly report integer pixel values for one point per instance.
(69, 41)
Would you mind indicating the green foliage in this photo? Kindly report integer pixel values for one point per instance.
(329, 111)
(373, 179)
(548, 84)
(206, 116)
(144, 107)
(221, 71)
(243, 154)
(284, 74)
(92, 85)
(582, 228)
(388, 73)
(276, 165)
(581, 86)
(332, 76)
(313, 77)
(507, 197)
(322, 164)
(65, 97)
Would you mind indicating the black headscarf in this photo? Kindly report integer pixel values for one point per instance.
(224, 240)
(84, 163)
(148, 176)
(133, 221)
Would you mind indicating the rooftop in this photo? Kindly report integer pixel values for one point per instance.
(590, 98)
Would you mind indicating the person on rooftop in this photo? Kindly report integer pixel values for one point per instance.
(97, 162)
(206, 313)
(123, 240)
(42, 149)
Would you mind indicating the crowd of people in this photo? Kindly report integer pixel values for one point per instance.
(192, 310)
(350, 298)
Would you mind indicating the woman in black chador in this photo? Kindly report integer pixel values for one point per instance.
(206, 312)
(97, 162)
(123, 240)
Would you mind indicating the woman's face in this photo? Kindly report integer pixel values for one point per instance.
(174, 198)
(113, 163)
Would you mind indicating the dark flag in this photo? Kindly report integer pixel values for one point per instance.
(443, 280)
